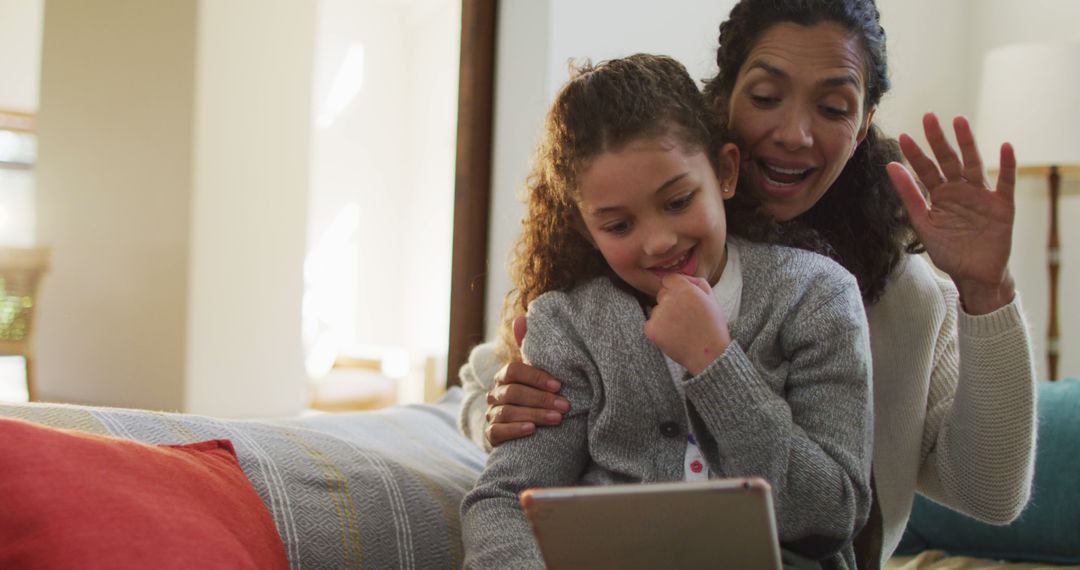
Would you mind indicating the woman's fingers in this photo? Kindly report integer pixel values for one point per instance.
(523, 395)
(508, 422)
(947, 158)
(947, 165)
(965, 139)
(520, 326)
(498, 434)
(520, 414)
(924, 167)
(1006, 182)
(525, 375)
(913, 199)
(520, 402)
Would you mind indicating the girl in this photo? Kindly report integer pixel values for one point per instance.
(683, 353)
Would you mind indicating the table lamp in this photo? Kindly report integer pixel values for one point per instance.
(1030, 96)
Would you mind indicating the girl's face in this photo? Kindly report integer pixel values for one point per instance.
(798, 107)
(654, 208)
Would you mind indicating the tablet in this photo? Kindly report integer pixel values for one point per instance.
(723, 523)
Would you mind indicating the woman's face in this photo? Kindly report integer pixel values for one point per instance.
(798, 106)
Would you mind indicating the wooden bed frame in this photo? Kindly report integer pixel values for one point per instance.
(472, 181)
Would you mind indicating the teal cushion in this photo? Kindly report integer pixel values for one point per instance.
(1049, 528)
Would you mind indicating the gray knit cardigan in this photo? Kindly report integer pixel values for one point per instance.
(789, 400)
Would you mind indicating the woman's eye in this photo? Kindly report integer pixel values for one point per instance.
(764, 100)
(617, 228)
(834, 112)
(680, 204)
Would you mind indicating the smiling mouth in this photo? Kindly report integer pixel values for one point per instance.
(682, 264)
(783, 177)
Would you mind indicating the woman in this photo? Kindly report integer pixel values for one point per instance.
(799, 81)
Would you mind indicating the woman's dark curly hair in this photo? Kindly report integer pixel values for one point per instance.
(602, 108)
(860, 216)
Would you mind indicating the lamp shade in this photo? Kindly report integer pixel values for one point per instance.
(1030, 97)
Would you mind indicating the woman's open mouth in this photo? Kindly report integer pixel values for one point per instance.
(779, 179)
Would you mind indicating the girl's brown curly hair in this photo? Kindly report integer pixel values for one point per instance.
(602, 108)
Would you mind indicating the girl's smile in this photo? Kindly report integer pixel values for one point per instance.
(685, 263)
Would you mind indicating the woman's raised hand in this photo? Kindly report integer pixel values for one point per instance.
(523, 397)
(965, 226)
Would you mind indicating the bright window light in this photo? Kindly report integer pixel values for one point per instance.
(345, 87)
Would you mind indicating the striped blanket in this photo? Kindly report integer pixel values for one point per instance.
(375, 489)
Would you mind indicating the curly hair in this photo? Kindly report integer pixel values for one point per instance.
(860, 216)
(602, 108)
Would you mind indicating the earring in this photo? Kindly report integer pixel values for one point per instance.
(725, 189)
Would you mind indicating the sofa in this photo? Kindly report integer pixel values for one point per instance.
(1047, 533)
(382, 489)
(378, 489)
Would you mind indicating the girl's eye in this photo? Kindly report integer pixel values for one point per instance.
(617, 228)
(681, 203)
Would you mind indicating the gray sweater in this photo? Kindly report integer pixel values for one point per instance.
(789, 400)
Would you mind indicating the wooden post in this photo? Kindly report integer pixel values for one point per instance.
(1053, 257)
(472, 183)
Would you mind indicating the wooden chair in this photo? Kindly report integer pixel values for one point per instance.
(20, 272)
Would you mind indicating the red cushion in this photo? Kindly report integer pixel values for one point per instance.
(76, 500)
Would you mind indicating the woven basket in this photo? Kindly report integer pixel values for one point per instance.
(20, 273)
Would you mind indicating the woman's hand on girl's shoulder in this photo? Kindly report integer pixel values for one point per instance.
(965, 226)
(523, 398)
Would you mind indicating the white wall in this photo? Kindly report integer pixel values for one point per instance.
(20, 70)
(521, 98)
(428, 227)
(544, 35)
(386, 161)
(172, 189)
(996, 23)
(927, 63)
(177, 143)
(935, 52)
(113, 195)
(252, 127)
(683, 29)
(20, 56)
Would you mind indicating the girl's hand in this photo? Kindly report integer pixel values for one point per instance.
(523, 397)
(687, 323)
(965, 226)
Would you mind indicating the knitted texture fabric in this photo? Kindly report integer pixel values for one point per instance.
(937, 371)
(788, 400)
(954, 402)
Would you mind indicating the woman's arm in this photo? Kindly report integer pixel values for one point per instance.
(979, 435)
(814, 442)
(477, 379)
